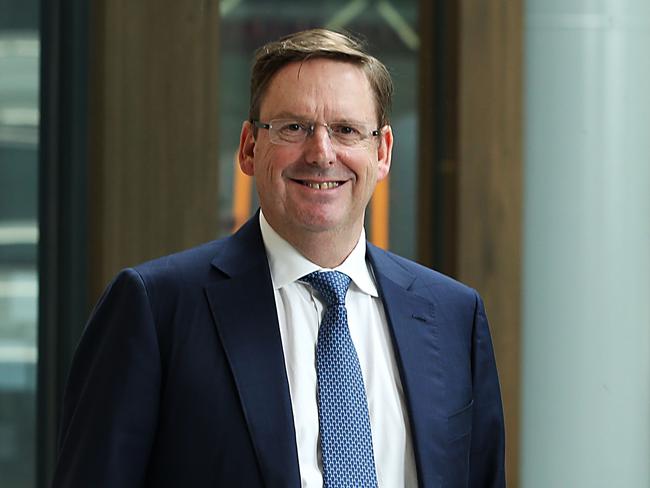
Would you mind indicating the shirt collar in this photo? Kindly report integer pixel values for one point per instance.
(288, 265)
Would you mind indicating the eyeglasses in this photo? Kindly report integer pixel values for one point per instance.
(293, 131)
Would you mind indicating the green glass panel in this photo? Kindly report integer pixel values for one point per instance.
(19, 117)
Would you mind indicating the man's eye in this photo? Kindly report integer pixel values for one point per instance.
(345, 130)
(291, 128)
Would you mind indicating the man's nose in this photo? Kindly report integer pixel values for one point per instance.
(318, 145)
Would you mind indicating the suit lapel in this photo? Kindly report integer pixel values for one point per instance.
(243, 308)
(411, 320)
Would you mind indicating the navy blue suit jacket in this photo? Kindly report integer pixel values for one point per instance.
(179, 378)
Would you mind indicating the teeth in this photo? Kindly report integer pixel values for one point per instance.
(322, 186)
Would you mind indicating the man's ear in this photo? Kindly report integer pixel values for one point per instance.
(384, 152)
(246, 152)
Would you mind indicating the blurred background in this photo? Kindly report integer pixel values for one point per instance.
(521, 167)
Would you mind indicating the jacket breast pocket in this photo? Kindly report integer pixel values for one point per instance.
(459, 441)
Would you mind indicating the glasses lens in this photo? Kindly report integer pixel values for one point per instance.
(348, 134)
(290, 131)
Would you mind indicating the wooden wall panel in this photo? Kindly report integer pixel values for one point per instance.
(153, 149)
(490, 184)
(438, 135)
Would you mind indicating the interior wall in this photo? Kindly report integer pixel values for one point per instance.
(491, 185)
(586, 334)
(153, 115)
(471, 169)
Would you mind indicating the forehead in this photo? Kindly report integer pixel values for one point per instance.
(319, 88)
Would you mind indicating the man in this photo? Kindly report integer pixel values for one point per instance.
(292, 353)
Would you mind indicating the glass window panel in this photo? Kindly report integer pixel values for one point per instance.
(390, 28)
(19, 85)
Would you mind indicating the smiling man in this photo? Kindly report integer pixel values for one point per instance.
(292, 353)
(318, 161)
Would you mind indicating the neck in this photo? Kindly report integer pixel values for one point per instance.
(326, 249)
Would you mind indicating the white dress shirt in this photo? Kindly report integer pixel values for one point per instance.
(299, 313)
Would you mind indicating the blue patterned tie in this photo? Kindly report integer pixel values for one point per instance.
(344, 422)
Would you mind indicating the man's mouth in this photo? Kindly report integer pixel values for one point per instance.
(320, 185)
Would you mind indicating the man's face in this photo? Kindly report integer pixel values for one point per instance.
(289, 178)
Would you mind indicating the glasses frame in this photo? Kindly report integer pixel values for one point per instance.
(366, 134)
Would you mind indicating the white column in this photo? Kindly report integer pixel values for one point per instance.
(586, 331)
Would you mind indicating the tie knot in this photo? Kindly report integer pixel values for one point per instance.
(332, 285)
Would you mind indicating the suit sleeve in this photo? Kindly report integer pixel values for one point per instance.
(111, 400)
(488, 438)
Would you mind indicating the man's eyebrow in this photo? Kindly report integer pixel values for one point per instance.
(289, 115)
(334, 120)
(346, 120)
